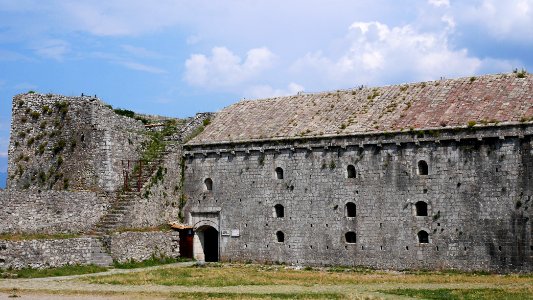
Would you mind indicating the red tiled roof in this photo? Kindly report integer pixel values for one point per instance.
(502, 98)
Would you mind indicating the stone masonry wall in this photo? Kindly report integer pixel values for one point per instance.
(122, 247)
(69, 143)
(50, 211)
(140, 246)
(478, 194)
(52, 253)
(158, 202)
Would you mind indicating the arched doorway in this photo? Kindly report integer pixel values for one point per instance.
(208, 238)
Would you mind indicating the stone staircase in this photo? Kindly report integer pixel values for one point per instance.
(125, 199)
(115, 215)
(99, 256)
(137, 179)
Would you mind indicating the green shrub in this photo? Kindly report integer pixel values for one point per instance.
(42, 177)
(41, 148)
(520, 74)
(35, 115)
(143, 120)
(46, 109)
(124, 112)
(62, 106)
(59, 146)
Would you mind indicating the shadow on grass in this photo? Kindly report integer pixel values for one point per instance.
(463, 294)
(151, 262)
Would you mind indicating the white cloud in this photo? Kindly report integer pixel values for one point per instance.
(193, 39)
(439, 3)
(378, 54)
(449, 21)
(6, 55)
(124, 17)
(511, 19)
(132, 65)
(141, 52)
(266, 91)
(224, 68)
(3, 154)
(141, 67)
(53, 49)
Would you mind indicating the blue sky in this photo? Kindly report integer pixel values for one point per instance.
(181, 57)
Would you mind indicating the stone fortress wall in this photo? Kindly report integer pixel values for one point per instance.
(475, 200)
(69, 143)
(430, 175)
(50, 212)
(86, 250)
(68, 160)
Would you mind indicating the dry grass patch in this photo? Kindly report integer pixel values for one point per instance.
(37, 236)
(67, 294)
(218, 275)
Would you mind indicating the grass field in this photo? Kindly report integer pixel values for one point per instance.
(251, 281)
(328, 283)
(219, 275)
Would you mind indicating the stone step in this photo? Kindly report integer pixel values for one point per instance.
(119, 209)
(110, 222)
(98, 255)
(115, 214)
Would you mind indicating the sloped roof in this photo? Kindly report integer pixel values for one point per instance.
(497, 99)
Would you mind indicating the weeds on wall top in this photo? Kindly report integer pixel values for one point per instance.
(127, 113)
(520, 73)
(198, 130)
(124, 112)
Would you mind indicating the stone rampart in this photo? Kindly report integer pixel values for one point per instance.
(50, 211)
(52, 253)
(69, 143)
(140, 246)
(122, 247)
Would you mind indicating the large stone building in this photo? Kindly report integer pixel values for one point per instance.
(433, 175)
